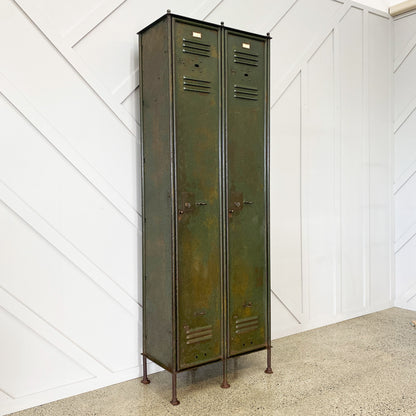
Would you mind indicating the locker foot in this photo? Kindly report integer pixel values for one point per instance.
(145, 380)
(224, 383)
(174, 401)
(269, 370)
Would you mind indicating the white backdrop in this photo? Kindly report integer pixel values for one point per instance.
(70, 315)
(404, 34)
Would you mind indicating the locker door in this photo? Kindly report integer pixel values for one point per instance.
(197, 108)
(245, 138)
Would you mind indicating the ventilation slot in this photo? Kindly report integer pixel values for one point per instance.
(196, 48)
(246, 93)
(199, 334)
(246, 325)
(246, 58)
(197, 85)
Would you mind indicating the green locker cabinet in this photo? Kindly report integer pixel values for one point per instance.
(204, 101)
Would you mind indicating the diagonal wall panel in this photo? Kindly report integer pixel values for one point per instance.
(404, 42)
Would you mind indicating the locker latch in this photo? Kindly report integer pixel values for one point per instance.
(187, 202)
(236, 202)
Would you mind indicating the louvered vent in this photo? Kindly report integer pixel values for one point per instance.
(246, 58)
(197, 85)
(246, 93)
(196, 48)
(198, 334)
(246, 325)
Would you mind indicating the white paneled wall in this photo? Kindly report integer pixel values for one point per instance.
(404, 36)
(70, 315)
(331, 170)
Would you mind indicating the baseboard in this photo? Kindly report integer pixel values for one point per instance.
(404, 305)
(327, 320)
(48, 396)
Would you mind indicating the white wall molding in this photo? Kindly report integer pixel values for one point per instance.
(52, 335)
(289, 309)
(404, 53)
(304, 200)
(366, 214)
(405, 167)
(63, 146)
(89, 22)
(205, 8)
(66, 248)
(276, 92)
(34, 14)
(367, 163)
(337, 271)
(404, 178)
(404, 115)
(405, 238)
(74, 389)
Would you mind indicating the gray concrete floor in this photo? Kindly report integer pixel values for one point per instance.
(364, 366)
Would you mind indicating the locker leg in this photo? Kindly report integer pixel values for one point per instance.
(174, 400)
(269, 370)
(145, 380)
(224, 383)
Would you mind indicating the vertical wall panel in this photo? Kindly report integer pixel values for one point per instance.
(286, 244)
(352, 163)
(319, 146)
(379, 125)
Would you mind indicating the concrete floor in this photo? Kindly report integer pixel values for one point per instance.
(364, 366)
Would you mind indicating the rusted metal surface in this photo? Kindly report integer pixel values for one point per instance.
(145, 379)
(197, 118)
(247, 222)
(156, 195)
(205, 161)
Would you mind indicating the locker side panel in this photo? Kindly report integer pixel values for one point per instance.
(197, 100)
(247, 190)
(157, 197)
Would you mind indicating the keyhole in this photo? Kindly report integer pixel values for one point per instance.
(196, 65)
(246, 75)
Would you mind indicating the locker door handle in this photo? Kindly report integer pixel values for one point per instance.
(201, 203)
(248, 202)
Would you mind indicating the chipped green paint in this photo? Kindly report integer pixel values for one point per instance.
(247, 249)
(205, 238)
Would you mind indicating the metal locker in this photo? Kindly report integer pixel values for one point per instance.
(204, 106)
(245, 135)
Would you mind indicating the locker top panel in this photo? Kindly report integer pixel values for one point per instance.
(201, 22)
